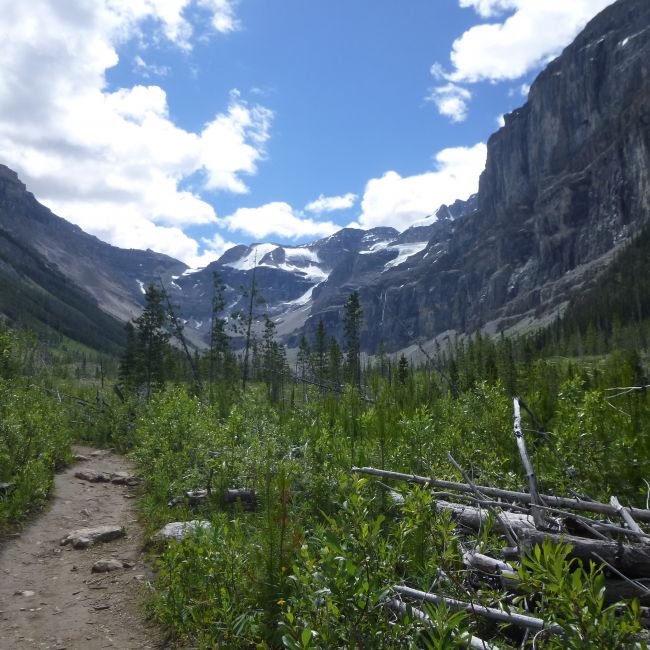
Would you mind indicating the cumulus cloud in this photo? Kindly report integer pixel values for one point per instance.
(398, 201)
(529, 34)
(114, 162)
(535, 33)
(451, 101)
(332, 203)
(277, 218)
(488, 8)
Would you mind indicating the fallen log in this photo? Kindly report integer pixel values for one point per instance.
(475, 518)
(523, 497)
(631, 559)
(470, 641)
(615, 590)
(535, 500)
(521, 620)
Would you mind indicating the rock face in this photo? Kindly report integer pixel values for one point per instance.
(567, 183)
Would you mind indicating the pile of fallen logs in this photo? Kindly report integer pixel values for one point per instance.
(611, 536)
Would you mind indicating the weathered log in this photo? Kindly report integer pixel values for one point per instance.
(246, 496)
(523, 497)
(403, 609)
(474, 518)
(627, 517)
(615, 590)
(506, 529)
(631, 559)
(521, 620)
(535, 500)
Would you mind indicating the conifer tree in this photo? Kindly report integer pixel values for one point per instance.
(352, 318)
(143, 364)
(219, 339)
(320, 351)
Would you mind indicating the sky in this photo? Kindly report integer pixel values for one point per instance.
(189, 126)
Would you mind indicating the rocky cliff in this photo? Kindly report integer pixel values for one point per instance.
(567, 183)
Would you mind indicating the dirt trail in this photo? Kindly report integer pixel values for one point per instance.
(49, 599)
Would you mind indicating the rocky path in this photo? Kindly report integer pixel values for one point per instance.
(50, 598)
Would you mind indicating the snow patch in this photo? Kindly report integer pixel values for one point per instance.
(302, 300)
(253, 257)
(404, 251)
(141, 285)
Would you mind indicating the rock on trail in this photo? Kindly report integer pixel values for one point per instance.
(75, 578)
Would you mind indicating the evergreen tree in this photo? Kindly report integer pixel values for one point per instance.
(352, 318)
(219, 339)
(143, 364)
(320, 351)
(128, 369)
(402, 370)
(334, 359)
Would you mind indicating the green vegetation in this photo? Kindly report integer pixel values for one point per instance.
(312, 559)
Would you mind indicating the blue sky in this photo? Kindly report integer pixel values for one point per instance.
(189, 125)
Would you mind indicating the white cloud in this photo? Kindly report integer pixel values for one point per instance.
(487, 8)
(332, 203)
(451, 101)
(277, 218)
(147, 70)
(501, 120)
(115, 162)
(397, 201)
(223, 14)
(535, 33)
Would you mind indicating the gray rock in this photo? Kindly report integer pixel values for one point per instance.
(85, 537)
(124, 478)
(92, 477)
(107, 564)
(179, 529)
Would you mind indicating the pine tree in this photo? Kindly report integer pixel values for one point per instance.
(402, 370)
(334, 359)
(320, 351)
(152, 342)
(219, 339)
(352, 318)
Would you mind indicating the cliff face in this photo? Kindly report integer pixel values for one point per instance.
(567, 183)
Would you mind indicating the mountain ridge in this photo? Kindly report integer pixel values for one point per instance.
(566, 185)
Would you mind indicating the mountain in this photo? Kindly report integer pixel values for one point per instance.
(566, 188)
(55, 276)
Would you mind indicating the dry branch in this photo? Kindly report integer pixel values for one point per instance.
(501, 616)
(535, 500)
(523, 497)
(504, 524)
(402, 608)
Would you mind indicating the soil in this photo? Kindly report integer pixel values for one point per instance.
(49, 598)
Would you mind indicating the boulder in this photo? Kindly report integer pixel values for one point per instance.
(124, 478)
(85, 537)
(92, 476)
(179, 529)
(107, 564)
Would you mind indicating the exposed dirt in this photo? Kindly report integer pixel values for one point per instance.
(49, 599)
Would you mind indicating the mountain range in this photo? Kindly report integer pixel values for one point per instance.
(566, 187)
